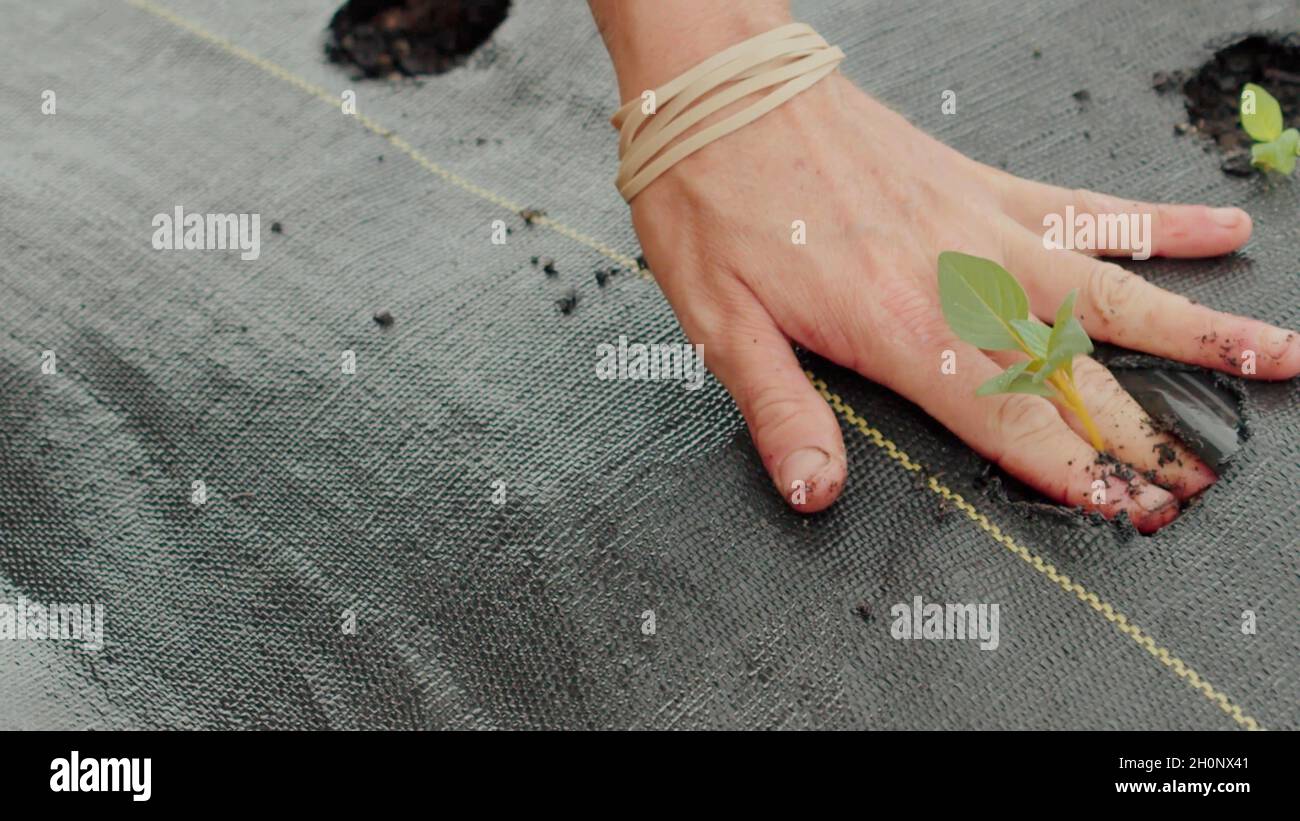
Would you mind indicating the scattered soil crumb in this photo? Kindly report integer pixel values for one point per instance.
(567, 303)
(384, 318)
(277, 228)
(863, 609)
(1165, 453)
(1163, 81)
(532, 215)
(1110, 466)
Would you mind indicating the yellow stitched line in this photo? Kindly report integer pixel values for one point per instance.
(375, 128)
(1121, 622)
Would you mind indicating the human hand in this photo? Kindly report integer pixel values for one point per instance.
(880, 200)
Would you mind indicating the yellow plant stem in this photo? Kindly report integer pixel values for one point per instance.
(1066, 386)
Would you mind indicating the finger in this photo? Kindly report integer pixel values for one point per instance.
(1127, 227)
(795, 431)
(1026, 437)
(1130, 434)
(1117, 306)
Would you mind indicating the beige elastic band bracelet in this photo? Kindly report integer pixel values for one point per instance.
(792, 57)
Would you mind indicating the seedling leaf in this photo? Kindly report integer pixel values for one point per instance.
(980, 299)
(1264, 124)
(1289, 142)
(1274, 156)
(1014, 380)
(1068, 340)
(987, 307)
(1035, 335)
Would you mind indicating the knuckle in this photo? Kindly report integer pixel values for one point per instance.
(770, 409)
(1165, 216)
(1088, 202)
(1108, 401)
(1110, 290)
(1091, 377)
(1099, 389)
(1024, 419)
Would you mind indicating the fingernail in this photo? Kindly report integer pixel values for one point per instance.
(1276, 341)
(803, 465)
(1151, 498)
(1226, 217)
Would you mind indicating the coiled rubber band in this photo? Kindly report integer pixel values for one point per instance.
(792, 57)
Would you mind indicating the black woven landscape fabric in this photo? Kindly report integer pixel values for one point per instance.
(334, 497)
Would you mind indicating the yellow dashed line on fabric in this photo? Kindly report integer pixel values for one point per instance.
(1121, 622)
(375, 128)
(1108, 612)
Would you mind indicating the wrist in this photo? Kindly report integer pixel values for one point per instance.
(652, 41)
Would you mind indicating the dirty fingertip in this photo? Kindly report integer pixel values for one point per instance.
(1280, 353)
(810, 479)
(1177, 469)
(1149, 507)
(1193, 479)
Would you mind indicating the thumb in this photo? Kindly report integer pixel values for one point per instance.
(795, 431)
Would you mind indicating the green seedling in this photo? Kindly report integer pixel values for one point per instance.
(985, 306)
(1261, 116)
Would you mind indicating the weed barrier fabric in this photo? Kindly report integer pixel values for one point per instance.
(369, 496)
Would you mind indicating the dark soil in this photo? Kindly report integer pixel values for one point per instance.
(384, 318)
(1165, 453)
(1110, 466)
(567, 303)
(1213, 92)
(411, 37)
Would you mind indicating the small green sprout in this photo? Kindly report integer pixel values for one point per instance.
(1261, 116)
(985, 306)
